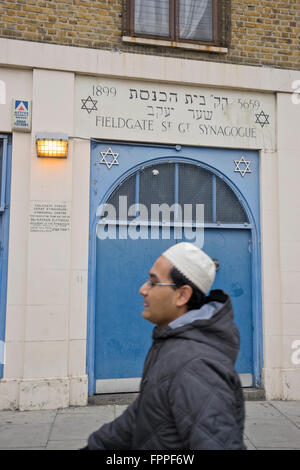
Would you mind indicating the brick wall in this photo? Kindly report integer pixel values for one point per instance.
(264, 32)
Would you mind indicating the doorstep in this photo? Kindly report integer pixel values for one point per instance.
(250, 394)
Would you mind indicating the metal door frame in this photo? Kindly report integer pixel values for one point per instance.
(255, 259)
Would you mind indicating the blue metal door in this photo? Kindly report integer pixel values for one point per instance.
(232, 249)
(5, 170)
(121, 336)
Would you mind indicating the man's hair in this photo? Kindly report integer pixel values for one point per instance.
(197, 299)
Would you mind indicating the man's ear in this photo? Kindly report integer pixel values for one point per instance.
(184, 294)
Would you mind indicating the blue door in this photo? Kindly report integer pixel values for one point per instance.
(122, 337)
(5, 168)
(231, 249)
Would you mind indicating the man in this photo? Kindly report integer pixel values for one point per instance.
(190, 395)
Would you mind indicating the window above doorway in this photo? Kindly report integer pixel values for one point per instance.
(190, 24)
(181, 183)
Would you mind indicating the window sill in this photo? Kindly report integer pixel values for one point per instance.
(180, 45)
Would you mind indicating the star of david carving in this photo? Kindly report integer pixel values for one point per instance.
(262, 119)
(110, 163)
(89, 104)
(246, 163)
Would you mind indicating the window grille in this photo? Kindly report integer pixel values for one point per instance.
(182, 183)
(127, 188)
(195, 187)
(228, 207)
(157, 185)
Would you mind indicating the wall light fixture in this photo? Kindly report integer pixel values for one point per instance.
(49, 144)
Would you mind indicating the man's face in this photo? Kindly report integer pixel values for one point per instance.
(160, 302)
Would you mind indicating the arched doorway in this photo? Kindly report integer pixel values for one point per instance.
(122, 336)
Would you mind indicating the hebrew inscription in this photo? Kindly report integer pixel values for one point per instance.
(152, 112)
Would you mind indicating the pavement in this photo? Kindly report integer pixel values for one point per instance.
(270, 425)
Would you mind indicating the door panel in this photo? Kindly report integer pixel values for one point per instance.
(123, 337)
(231, 249)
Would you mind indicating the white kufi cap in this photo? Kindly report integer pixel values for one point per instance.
(193, 263)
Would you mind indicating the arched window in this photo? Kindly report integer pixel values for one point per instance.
(182, 183)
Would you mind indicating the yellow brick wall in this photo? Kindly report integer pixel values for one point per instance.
(264, 32)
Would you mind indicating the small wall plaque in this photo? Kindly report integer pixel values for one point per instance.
(21, 115)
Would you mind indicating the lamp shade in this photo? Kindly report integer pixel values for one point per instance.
(52, 145)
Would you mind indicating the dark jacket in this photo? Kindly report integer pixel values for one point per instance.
(190, 396)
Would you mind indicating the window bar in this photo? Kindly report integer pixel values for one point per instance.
(228, 26)
(130, 13)
(216, 25)
(176, 189)
(174, 25)
(3, 179)
(214, 199)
